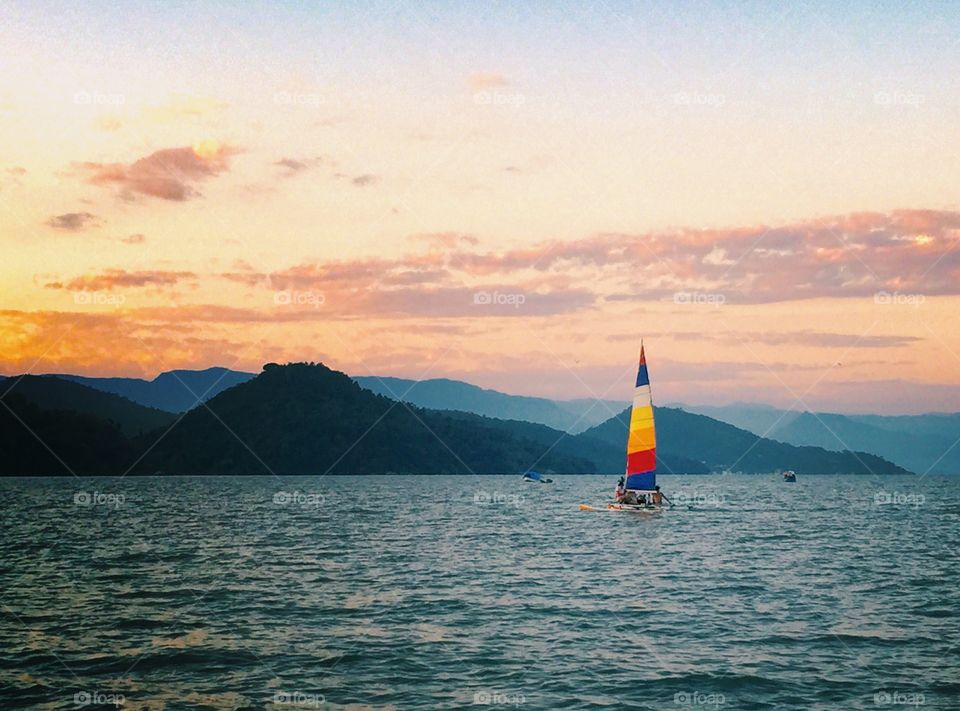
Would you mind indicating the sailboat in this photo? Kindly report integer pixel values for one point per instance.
(640, 479)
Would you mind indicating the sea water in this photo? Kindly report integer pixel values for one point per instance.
(429, 592)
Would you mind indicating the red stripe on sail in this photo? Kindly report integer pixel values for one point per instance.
(639, 462)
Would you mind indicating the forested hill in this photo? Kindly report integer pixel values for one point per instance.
(720, 447)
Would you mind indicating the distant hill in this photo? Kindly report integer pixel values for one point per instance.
(306, 418)
(40, 442)
(54, 393)
(442, 394)
(718, 446)
(920, 443)
(172, 391)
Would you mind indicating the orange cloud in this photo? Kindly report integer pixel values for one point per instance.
(486, 80)
(113, 341)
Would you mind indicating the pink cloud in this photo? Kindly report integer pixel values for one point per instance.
(168, 174)
(111, 279)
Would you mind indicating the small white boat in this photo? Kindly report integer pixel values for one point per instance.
(790, 475)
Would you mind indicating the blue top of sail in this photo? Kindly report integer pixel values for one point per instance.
(532, 475)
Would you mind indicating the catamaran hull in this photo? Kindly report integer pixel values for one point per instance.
(629, 508)
(636, 508)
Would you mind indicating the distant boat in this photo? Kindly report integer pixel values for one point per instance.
(638, 490)
(536, 478)
(789, 475)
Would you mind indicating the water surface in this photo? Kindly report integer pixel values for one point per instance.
(445, 592)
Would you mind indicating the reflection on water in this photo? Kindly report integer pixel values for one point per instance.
(440, 592)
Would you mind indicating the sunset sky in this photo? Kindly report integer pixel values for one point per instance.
(508, 193)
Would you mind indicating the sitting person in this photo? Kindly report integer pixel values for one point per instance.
(642, 500)
(656, 498)
(629, 497)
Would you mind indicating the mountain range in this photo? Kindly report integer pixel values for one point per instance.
(919, 443)
(180, 390)
(927, 443)
(306, 418)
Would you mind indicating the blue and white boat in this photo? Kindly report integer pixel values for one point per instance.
(536, 478)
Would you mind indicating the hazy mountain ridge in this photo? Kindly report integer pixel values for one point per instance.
(177, 391)
(572, 416)
(920, 443)
(305, 418)
(173, 390)
(720, 446)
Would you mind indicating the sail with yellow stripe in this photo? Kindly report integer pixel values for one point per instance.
(642, 443)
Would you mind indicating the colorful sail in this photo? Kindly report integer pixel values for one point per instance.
(642, 443)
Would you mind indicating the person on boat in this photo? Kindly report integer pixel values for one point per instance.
(629, 497)
(618, 494)
(642, 500)
(656, 498)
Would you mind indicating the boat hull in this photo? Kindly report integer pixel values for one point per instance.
(641, 508)
(619, 508)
